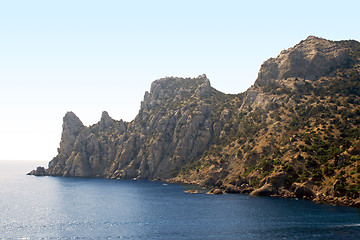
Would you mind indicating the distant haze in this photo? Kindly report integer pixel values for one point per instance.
(90, 56)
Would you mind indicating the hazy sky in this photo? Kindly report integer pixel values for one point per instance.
(88, 56)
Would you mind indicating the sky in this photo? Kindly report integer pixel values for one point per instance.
(88, 56)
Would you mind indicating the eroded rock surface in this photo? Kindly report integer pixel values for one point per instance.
(294, 133)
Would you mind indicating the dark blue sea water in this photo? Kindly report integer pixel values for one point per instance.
(79, 208)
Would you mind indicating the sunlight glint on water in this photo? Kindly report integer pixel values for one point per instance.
(81, 208)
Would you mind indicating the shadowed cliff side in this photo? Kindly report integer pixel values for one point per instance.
(174, 126)
(294, 133)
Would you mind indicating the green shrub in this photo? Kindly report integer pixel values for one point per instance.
(317, 176)
(329, 170)
(340, 188)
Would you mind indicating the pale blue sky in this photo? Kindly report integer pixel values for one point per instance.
(89, 56)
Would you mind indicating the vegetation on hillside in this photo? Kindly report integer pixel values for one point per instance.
(311, 132)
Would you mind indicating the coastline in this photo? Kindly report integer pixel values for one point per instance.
(319, 197)
(265, 190)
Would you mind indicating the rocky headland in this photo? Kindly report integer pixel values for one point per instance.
(294, 133)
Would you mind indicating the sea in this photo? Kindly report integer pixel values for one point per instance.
(92, 208)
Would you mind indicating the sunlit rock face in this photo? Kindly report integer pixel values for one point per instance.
(294, 133)
(173, 126)
(310, 59)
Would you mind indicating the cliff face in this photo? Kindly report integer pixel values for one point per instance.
(310, 59)
(174, 125)
(294, 133)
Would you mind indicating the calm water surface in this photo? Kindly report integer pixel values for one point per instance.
(80, 208)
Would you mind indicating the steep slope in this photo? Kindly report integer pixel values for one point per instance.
(294, 133)
(174, 125)
(297, 131)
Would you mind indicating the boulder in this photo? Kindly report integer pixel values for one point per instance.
(40, 171)
(215, 191)
(266, 190)
(301, 190)
(277, 180)
(231, 189)
(193, 191)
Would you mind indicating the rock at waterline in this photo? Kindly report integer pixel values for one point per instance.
(40, 171)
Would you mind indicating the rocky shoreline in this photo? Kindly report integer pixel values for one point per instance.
(295, 133)
(270, 187)
(297, 190)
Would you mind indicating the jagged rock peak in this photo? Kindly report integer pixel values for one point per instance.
(72, 126)
(177, 82)
(309, 59)
(72, 123)
(105, 116)
(105, 121)
(313, 38)
(311, 45)
(175, 87)
(203, 76)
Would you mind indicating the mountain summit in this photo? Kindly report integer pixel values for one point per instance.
(294, 133)
(311, 58)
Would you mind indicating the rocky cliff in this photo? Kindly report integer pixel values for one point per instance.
(294, 133)
(174, 126)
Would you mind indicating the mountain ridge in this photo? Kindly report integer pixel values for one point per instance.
(294, 133)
